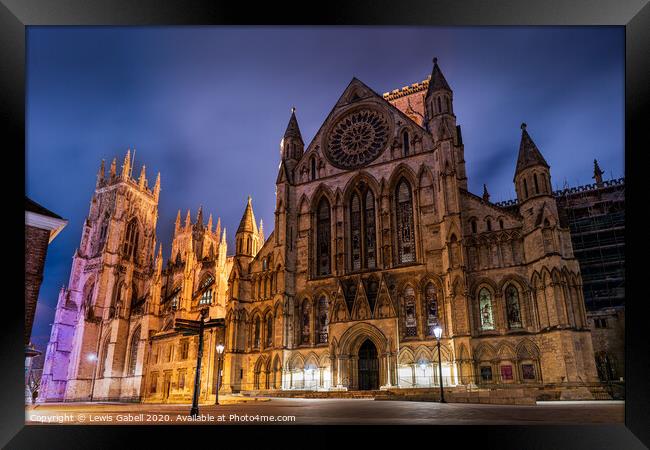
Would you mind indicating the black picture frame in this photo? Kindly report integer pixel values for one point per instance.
(15, 15)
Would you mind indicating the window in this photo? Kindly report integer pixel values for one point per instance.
(439, 105)
(536, 184)
(174, 302)
(206, 298)
(154, 383)
(256, 333)
(512, 307)
(489, 224)
(486, 373)
(405, 143)
(501, 224)
(370, 251)
(185, 346)
(170, 349)
(448, 104)
(485, 309)
(431, 301)
(269, 330)
(525, 189)
(506, 373)
(102, 360)
(355, 231)
(313, 168)
(181, 379)
(306, 326)
(410, 320)
(528, 371)
(323, 319)
(133, 351)
(405, 232)
(131, 240)
(323, 229)
(362, 229)
(474, 227)
(600, 323)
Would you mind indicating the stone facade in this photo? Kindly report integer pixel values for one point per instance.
(376, 242)
(608, 336)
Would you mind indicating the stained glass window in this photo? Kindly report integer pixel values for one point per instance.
(269, 330)
(371, 260)
(485, 309)
(486, 373)
(431, 300)
(512, 307)
(355, 227)
(306, 328)
(131, 240)
(323, 237)
(405, 233)
(323, 319)
(256, 333)
(528, 371)
(506, 372)
(410, 320)
(133, 351)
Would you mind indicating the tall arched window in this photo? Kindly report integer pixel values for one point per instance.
(103, 231)
(305, 329)
(269, 330)
(410, 319)
(405, 231)
(323, 230)
(439, 105)
(405, 143)
(131, 239)
(323, 319)
(489, 224)
(485, 309)
(536, 183)
(512, 307)
(256, 332)
(431, 302)
(313, 168)
(362, 229)
(133, 351)
(103, 357)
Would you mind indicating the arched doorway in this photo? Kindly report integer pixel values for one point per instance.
(368, 366)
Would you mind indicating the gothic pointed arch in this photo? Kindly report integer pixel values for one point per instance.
(406, 356)
(404, 219)
(323, 241)
(134, 345)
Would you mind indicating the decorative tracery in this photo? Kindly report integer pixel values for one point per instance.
(405, 231)
(431, 301)
(323, 230)
(410, 319)
(512, 307)
(485, 309)
(362, 229)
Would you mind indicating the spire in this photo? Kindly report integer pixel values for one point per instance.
(100, 174)
(217, 230)
(437, 81)
(486, 194)
(529, 154)
(223, 236)
(261, 230)
(210, 223)
(113, 166)
(598, 174)
(199, 216)
(156, 188)
(177, 224)
(293, 130)
(188, 220)
(142, 181)
(126, 167)
(159, 259)
(247, 223)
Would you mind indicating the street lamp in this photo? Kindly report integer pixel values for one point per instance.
(93, 357)
(219, 354)
(437, 332)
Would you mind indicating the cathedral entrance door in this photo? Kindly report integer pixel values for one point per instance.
(368, 366)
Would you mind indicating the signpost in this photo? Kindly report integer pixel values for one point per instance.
(193, 327)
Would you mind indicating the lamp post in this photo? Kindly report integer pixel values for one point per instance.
(93, 357)
(219, 355)
(194, 412)
(437, 331)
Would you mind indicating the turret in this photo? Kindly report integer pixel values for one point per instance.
(100, 175)
(199, 217)
(113, 169)
(440, 118)
(247, 236)
(142, 181)
(598, 174)
(177, 225)
(126, 166)
(156, 188)
(188, 220)
(210, 223)
(532, 176)
(292, 145)
(486, 194)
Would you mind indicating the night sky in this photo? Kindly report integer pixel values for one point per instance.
(207, 107)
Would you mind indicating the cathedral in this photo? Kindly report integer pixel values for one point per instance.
(376, 242)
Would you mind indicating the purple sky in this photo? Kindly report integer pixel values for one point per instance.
(207, 107)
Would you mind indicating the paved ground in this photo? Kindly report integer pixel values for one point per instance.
(325, 411)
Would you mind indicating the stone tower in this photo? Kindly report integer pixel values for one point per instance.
(111, 273)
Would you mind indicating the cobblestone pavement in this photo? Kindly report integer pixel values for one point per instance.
(324, 411)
